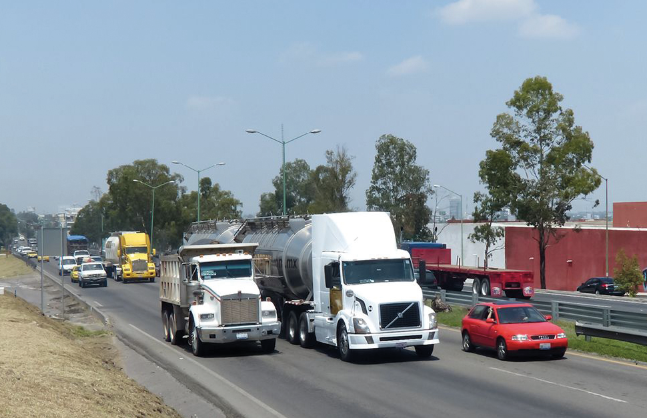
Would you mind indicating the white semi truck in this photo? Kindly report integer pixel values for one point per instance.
(339, 279)
(208, 293)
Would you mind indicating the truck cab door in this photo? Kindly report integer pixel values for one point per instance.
(336, 303)
(331, 300)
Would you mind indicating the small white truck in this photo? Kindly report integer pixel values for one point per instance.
(208, 293)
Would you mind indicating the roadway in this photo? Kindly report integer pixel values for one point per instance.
(314, 383)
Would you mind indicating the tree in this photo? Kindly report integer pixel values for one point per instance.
(627, 275)
(485, 210)
(401, 187)
(8, 225)
(28, 224)
(332, 183)
(88, 222)
(269, 205)
(540, 168)
(299, 190)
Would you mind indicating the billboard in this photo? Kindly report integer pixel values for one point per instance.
(52, 241)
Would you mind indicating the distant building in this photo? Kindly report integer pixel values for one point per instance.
(455, 208)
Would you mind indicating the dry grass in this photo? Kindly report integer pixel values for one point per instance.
(49, 368)
(11, 266)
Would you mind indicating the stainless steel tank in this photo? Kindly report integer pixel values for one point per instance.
(289, 244)
(211, 232)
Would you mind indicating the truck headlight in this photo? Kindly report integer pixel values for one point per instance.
(269, 314)
(361, 326)
(561, 335)
(520, 337)
(206, 316)
(433, 321)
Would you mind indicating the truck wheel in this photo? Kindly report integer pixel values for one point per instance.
(152, 280)
(424, 351)
(197, 346)
(165, 324)
(476, 286)
(175, 334)
(343, 345)
(485, 287)
(307, 338)
(292, 331)
(268, 346)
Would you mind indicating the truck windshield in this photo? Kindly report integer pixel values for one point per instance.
(377, 271)
(225, 269)
(136, 250)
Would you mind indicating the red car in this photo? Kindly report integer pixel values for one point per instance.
(512, 327)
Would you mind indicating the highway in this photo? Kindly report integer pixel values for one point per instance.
(297, 382)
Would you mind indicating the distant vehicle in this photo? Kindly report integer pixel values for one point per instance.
(81, 255)
(76, 243)
(512, 328)
(601, 286)
(74, 274)
(65, 265)
(32, 254)
(430, 278)
(128, 257)
(92, 273)
(43, 258)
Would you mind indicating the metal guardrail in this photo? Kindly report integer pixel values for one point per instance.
(593, 320)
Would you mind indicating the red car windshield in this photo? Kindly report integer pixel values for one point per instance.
(519, 314)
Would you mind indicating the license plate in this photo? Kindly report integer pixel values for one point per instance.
(544, 346)
(242, 336)
(400, 345)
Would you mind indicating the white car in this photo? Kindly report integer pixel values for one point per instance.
(65, 265)
(92, 273)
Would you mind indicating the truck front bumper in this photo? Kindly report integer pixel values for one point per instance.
(239, 333)
(141, 275)
(399, 339)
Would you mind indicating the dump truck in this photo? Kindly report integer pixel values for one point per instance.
(339, 279)
(208, 295)
(128, 257)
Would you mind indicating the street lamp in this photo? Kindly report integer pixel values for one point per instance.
(436, 186)
(606, 214)
(153, 206)
(283, 143)
(198, 171)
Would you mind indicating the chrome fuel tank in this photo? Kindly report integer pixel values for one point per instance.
(211, 232)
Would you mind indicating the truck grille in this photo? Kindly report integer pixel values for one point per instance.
(140, 266)
(239, 311)
(399, 315)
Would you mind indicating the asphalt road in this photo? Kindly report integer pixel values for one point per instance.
(297, 382)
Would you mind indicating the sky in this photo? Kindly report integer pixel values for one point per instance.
(88, 86)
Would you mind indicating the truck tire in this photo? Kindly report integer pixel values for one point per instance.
(476, 286)
(197, 346)
(307, 338)
(175, 335)
(152, 280)
(268, 346)
(485, 287)
(292, 331)
(424, 351)
(165, 324)
(343, 345)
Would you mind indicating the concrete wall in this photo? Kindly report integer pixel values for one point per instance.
(630, 215)
(451, 235)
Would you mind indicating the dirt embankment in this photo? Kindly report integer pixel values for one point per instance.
(50, 368)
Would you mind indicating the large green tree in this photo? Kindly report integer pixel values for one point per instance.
(540, 168)
(332, 183)
(28, 224)
(8, 225)
(401, 187)
(299, 190)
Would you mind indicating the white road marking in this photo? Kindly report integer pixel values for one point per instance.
(558, 384)
(217, 376)
(97, 303)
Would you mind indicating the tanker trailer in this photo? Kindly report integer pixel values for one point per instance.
(339, 279)
(211, 232)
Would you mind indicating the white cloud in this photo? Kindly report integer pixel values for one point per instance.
(208, 102)
(307, 53)
(465, 11)
(548, 26)
(409, 66)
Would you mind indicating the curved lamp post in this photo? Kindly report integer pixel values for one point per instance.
(153, 206)
(436, 186)
(283, 143)
(198, 171)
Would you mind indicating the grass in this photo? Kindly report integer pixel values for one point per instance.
(81, 332)
(600, 346)
(11, 266)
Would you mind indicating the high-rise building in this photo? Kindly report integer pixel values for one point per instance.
(455, 208)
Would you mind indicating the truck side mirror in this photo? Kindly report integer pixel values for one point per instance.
(422, 272)
(328, 275)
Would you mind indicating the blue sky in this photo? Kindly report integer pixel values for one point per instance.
(88, 86)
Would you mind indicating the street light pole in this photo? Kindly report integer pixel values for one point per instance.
(606, 216)
(283, 144)
(436, 186)
(153, 206)
(198, 171)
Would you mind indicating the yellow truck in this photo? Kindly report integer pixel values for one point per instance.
(128, 257)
